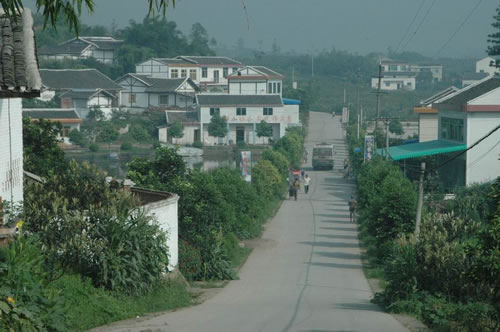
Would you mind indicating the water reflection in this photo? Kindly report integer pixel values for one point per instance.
(115, 163)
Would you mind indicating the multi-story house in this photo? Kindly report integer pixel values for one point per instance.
(255, 80)
(141, 92)
(206, 71)
(487, 65)
(396, 75)
(434, 69)
(103, 49)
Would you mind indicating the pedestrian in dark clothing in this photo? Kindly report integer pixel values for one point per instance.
(296, 187)
(352, 209)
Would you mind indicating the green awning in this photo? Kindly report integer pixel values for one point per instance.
(415, 150)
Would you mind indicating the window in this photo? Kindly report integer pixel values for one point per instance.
(393, 68)
(235, 69)
(192, 74)
(183, 73)
(279, 87)
(225, 72)
(270, 88)
(409, 83)
(268, 111)
(403, 68)
(241, 111)
(174, 73)
(274, 87)
(214, 110)
(131, 98)
(163, 99)
(204, 72)
(387, 83)
(452, 129)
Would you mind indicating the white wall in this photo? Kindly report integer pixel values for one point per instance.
(392, 84)
(11, 189)
(427, 127)
(483, 66)
(165, 212)
(152, 68)
(482, 161)
(247, 88)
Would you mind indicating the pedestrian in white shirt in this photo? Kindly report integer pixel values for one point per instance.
(307, 182)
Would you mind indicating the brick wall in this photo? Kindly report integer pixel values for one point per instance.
(11, 166)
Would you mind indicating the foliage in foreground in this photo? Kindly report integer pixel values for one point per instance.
(218, 208)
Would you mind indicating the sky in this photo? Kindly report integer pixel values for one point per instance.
(310, 26)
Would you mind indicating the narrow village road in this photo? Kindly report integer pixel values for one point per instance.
(305, 274)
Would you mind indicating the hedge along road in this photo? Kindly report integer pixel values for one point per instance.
(305, 274)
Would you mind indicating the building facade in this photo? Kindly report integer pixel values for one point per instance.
(141, 92)
(487, 65)
(255, 80)
(205, 71)
(103, 49)
(243, 113)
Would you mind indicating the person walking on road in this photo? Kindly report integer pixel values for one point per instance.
(296, 187)
(346, 169)
(352, 209)
(307, 182)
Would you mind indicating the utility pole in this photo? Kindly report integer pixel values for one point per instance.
(378, 98)
(358, 126)
(312, 65)
(420, 199)
(386, 140)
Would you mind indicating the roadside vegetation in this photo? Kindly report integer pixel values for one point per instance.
(447, 276)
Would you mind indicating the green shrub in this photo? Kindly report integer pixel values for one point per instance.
(139, 133)
(76, 137)
(267, 180)
(197, 144)
(279, 161)
(126, 146)
(25, 302)
(189, 260)
(94, 147)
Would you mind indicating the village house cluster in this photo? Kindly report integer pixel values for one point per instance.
(189, 89)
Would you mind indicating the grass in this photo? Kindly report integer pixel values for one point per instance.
(89, 307)
(371, 266)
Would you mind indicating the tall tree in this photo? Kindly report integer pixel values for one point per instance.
(264, 129)
(494, 38)
(176, 130)
(217, 126)
(200, 43)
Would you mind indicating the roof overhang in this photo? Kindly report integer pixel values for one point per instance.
(415, 150)
(425, 110)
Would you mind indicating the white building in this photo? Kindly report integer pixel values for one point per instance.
(465, 117)
(207, 71)
(68, 118)
(141, 92)
(20, 79)
(191, 122)
(255, 80)
(83, 101)
(103, 49)
(243, 113)
(469, 78)
(392, 81)
(428, 115)
(81, 89)
(487, 65)
(435, 70)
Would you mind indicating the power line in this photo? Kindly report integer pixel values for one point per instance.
(464, 151)
(420, 25)
(409, 26)
(459, 28)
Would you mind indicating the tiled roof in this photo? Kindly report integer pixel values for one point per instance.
(77, 45)
(84, 94)
(267, 71)
(399, 73)
(164, 84)
(170, 61)
(85, 79)
(183, 117)
(48, 113)
(210, 60)
(239, 100)
(468, 76)
(468, 93)
(439, 95)
(19, 75)
(264, 73)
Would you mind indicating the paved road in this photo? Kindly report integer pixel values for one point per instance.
(305, 275)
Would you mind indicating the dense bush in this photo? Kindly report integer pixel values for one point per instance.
(94, 147)
(88, 227)
(126, 146)
(216, 206)
(197, 144)
(76, 137)
(139, 133)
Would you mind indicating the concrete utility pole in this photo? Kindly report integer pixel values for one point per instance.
(420, 199)
(358, 127)
(312, 65)
(378, 101)
(386, 140)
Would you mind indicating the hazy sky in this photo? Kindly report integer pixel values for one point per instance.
(303, 25)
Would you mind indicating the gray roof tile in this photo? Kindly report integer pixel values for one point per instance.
(164, 84)
(183, 117)
(85, 79)
(50, 113)
(19, 76)
(239, 100)
(471, 92)
(210, 60)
